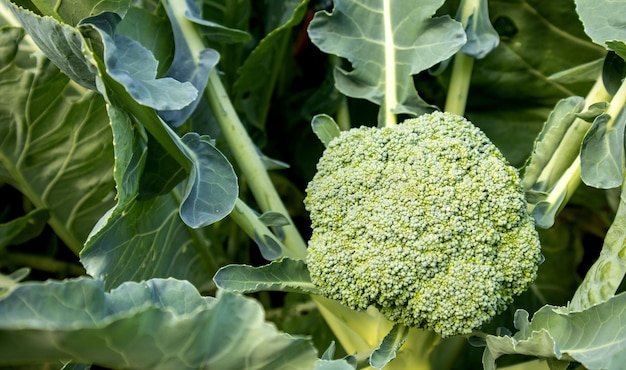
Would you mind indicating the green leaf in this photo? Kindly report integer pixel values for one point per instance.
(272, 219)
(586, 72)
(389, 346)
(594, 337)
(144, 238)
(400, 40)
(23, 229)
(258, 75)
(211, 188)
(61, 43)
(481, 36)
(157, 324)
(619, 47)
(72, 11)
(135, 68)
(325, 127)
(602, 19)
(214, 31)
(613, 71)
(602, 152)
(559, 121)
(187, 67)
(285, 275)
(607, 272)
(44, 161)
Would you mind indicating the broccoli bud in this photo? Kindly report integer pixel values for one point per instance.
(426, 221)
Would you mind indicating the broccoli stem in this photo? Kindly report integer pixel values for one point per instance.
(462, 67)
(250, 163)
(458, 89)
(391, 98)
(239, 142)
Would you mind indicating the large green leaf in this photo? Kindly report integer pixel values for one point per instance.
(55, 141)
(595, 337)
(135, 68)
(285, 275)
(537, 39)
(156, 324)
(259, 73)
(61, 43)
(603, 19)
(23, 228)
(148, 233)
(607, 272)
(602, 152)
(187, 67)
(400, 40)
(72, 11)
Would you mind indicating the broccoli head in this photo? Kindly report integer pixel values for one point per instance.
(426, 221)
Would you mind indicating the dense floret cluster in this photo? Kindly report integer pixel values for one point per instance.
(425, 221)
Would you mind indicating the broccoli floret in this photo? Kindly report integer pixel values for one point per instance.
(426, 221)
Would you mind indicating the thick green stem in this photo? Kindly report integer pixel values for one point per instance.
(458, 90)
(462, 67)
(250, 163)
(391, 98)
(239, 141)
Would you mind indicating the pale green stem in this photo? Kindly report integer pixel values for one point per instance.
(239, 141)
(462, 67)
(391, 98)
(606, 274)
(249, 222)
(458, 90)
(246, 155)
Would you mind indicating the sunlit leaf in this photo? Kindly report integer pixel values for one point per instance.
(325, 128)
(603, 19)
(602, 152)
(54, 133)
(401, 40)
(285, 275)
(156, 324)
(594, 337)
(389, 346)
(135, 68)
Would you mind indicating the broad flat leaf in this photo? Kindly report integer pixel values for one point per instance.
(258, 75)
(603, 19)
(537, 40)
(156, 324)
(143, 238)
(607, 272)
(153, 31)
(594, 337)
(325, 127)
(619, 47)
(481, 36)
(186, 68)
(284, 275)
(135, 68)
(23, 229)
(389, 346)
(211, 188)
(61, 43)
(213, 31)
(55, 142)
(206, 197)
(400, 40)
(602, 152)
(72, 11)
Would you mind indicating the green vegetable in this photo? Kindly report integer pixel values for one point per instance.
(425, 221)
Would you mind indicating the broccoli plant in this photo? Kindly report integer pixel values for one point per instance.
(394, 184)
